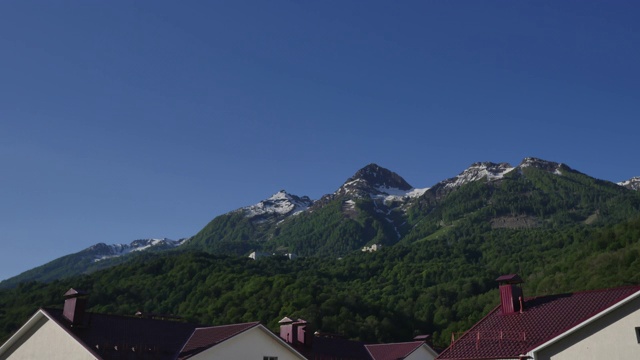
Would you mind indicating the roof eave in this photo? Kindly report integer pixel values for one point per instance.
(177, 354)
(256, 325)
(282, 342)
(531, 352)
(41, 313)
(82, 343)
(431, 350)
(470, 330)
(22, 330)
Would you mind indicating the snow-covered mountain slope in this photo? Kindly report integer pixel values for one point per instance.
(478, 171)
(281, 203)
(633, 183)
(496, 171)
(375, 194)
(378, 183)
(102, 251)
(97, 257)
(549, 166)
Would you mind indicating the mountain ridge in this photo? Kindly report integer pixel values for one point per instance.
(93, 258)
(374, 204)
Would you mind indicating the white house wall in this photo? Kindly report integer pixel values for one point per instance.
(421, 353)
(611, 337)
(252, 344)
(46, 340)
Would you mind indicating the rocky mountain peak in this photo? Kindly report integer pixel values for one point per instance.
(633, 183)
(102, 251)
(550, 166)
(280, 203)
(372, 180)
(478, 171)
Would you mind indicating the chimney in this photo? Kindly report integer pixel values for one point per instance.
(294, 332)
(75, 303)
(424, 338)
(511, 298)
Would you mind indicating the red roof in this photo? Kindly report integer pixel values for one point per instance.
(392, 351)
(499, 336)
(330, 347)
(114, 336)
(126, 337)
(205, 338)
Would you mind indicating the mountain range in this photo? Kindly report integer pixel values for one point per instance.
(442, 249)
(374, 206)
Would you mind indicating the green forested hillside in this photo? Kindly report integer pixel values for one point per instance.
(434, 286)
(560, 232)
(230, 233)
(529, 197)
(328, 232)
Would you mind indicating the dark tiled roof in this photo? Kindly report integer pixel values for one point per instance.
(506, 336)
(329, 347)
(392, 351)
(123, 337)
(204, 338)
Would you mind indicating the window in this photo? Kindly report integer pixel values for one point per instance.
(269, 358)
(638, 334)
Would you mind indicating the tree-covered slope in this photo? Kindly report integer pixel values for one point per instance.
(561, 230)
(440, 285)
(93, 258)
(536, 193)
(367, 208)
(529, 197)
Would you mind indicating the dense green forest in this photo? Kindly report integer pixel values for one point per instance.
(560, 230)
(435, 286)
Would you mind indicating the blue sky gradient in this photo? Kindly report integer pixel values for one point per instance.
(122, 120)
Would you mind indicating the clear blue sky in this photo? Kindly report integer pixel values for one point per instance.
(122, 120)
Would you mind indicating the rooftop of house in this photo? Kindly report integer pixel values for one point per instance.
(543, 318)
(392, 351)
(149, 336)
(204, 338)
(330, 347)
(110, 336)
(127, 337)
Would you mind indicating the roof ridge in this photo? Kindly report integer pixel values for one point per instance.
(248, 325)
(586, 291)
(584, 306)
(242, 327)
(408, 347)
(177, 320)
(396, 343)
(597, 311)
(252, 323)
(46, 312)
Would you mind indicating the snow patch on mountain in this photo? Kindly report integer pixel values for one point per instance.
(350, 204)
(281, 203)
(477, 171)
(492, 171)
(633, 183)
(103, 251)
(550, 166)
(379, 184)
(394, 194)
